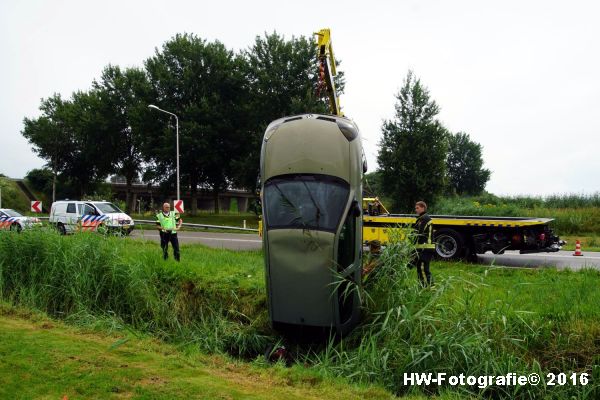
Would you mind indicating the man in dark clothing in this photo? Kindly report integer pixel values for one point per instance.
(168, 223)
(424, 244)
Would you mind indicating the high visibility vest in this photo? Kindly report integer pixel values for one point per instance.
(167, 222)
(428, 233)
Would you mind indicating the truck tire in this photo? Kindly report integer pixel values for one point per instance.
(61, 229)
(449, 244)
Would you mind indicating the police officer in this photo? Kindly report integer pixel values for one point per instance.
(168, 223)
(425, 246)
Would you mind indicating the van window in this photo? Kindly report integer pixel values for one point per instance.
(71, 208)
(86, 209)
(107, 208)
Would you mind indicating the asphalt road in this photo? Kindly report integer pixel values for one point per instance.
(243, 241)
(561, 260)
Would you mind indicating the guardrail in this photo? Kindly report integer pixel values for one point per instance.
(189, 225)
(204, 226)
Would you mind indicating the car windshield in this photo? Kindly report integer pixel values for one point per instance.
(107, 208)
(305, 202)
(12, 213)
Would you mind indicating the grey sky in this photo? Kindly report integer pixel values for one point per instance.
(521, 77)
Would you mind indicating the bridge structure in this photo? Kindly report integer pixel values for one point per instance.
(148, 197)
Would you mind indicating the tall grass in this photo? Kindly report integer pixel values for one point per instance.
(88, 275)
(571, 213)
(449, 329)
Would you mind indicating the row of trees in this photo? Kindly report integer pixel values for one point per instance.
(224, 100)
(419, 159)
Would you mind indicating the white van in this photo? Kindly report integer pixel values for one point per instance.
(67, 215)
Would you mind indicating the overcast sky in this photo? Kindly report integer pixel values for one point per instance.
(521, 77)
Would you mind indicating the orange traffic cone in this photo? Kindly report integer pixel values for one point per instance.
(578, 249)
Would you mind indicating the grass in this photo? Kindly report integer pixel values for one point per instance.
(573, 214)
(43, 358)
(588, 242)
(12, 196)
(478, 320)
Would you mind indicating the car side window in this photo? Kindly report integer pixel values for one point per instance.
(87, 210)
(2, 214)
(71, 208)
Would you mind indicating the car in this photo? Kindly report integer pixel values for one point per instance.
(13, 220)
(70, 216)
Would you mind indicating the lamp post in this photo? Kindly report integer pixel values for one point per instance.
(176, 141)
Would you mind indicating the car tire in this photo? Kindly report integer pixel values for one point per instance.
(449, 244)
(16, 227)
(61, 229)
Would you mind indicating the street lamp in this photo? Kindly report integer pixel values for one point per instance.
(152, 106)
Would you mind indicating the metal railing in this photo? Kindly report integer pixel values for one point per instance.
(189, 225)
(203, 226)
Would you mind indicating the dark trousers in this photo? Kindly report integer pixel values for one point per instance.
(422, 262)
(423, 272)
(165, 238)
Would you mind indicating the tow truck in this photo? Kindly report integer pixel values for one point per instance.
(465, 236)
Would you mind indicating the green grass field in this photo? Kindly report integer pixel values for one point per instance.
(478, 320)
(43, 358)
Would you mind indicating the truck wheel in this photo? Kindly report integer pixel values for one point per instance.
(61, 229)
(449, 244)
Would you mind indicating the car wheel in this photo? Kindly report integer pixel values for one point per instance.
(449, 244)
(61, 229)
(16, 227)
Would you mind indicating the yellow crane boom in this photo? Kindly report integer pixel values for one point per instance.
(327, 70)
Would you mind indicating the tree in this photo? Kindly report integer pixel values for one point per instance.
(46, 135)
(372, 185)
(464, 164)
(412, 153)
(70, 136)
(41, 180)
(203, 83)
(282, 79)
(124, 97)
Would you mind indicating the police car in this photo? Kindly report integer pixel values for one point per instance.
(11, 219)
(69, 216)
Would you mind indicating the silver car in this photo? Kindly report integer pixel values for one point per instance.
(13, 220)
